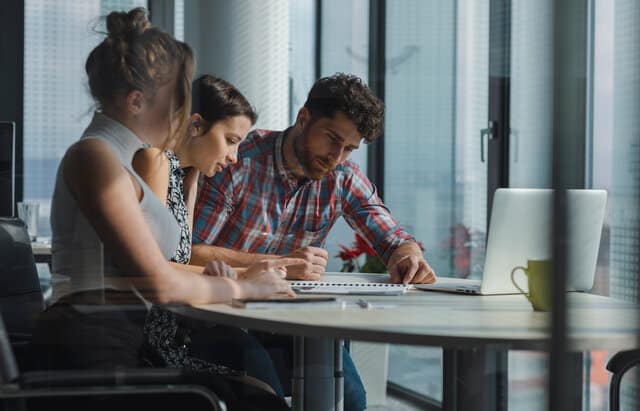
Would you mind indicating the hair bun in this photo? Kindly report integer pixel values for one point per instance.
(125, 24)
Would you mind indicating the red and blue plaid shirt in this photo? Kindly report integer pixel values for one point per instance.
(257, 206)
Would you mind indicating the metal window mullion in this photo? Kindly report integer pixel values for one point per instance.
(318, 41)
(12, 82)
(499, 95)
(569, 135)
(377, 68)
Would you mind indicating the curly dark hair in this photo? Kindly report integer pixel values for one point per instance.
(349, 95)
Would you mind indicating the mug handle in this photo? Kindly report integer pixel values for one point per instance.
(513, 279)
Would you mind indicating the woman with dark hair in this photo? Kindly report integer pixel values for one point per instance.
(220, 120)
(110, 233)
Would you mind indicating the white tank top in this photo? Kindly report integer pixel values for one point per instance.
(77, 251)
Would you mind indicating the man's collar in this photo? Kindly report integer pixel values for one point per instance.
(281, 164)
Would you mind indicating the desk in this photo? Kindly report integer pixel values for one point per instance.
(467, 327)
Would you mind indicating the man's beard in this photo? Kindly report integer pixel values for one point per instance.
(308, 162)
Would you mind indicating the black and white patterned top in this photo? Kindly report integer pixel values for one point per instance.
(175, 203)
(167, 339)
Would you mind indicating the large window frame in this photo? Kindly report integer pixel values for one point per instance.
(496, 146)
(570, 34)
(575, 175)
(12, 63)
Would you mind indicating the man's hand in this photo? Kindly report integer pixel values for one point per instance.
(315, 264)
(408, 266)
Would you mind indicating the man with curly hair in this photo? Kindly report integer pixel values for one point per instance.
(289, 187)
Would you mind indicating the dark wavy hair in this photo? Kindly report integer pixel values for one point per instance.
(138, 56)
(216, 99)
(349, 95)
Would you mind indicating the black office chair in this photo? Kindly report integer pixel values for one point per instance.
(160, 389)
(21, 298)
(618, 365)
(21, 304)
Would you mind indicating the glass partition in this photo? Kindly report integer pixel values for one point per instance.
(437, 62)
(615, 167)
(58, 36)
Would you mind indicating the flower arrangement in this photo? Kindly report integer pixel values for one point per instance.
(349, 257)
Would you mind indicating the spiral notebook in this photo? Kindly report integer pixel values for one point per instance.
(352, 288)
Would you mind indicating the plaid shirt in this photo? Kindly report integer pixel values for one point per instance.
(257, 206)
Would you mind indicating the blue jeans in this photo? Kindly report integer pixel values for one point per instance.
(355, 397)
(280, 348)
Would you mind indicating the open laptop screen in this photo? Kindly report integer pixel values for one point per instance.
(7, 167)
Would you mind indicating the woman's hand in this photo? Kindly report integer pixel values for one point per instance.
(217, 268)
(267, 278)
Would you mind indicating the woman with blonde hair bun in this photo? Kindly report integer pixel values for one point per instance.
(113, 237)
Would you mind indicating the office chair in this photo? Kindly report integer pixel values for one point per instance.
(159, 389)
(618, 365)
(21, 298)
(21, 303)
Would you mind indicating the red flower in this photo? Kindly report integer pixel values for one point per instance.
(363, 246)
(358, 247)
(348, 253)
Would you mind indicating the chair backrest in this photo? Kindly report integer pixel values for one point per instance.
(21, 298)
(8, 365)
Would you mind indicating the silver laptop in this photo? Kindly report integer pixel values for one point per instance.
(520, 229)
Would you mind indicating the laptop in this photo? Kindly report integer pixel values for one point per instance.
(521, 229)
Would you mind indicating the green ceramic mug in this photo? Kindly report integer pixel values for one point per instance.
(538, 274)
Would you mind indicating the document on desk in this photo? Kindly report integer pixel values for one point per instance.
(350, 288)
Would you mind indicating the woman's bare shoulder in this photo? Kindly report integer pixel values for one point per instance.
(150, 161)
(90, 157)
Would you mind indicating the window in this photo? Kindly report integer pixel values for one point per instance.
(344, 48)
(58, 38)
(530, 156)
(436, 92)
(616, 141)
(178, 19)
(531, 111)
(615, 166)
(302, 48)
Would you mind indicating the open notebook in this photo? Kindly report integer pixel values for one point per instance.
(350, 283)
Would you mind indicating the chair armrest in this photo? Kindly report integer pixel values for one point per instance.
(84, 395)
(623, 360)
(84, 378)
(85, 384)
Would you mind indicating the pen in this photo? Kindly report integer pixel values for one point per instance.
(362, 303)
